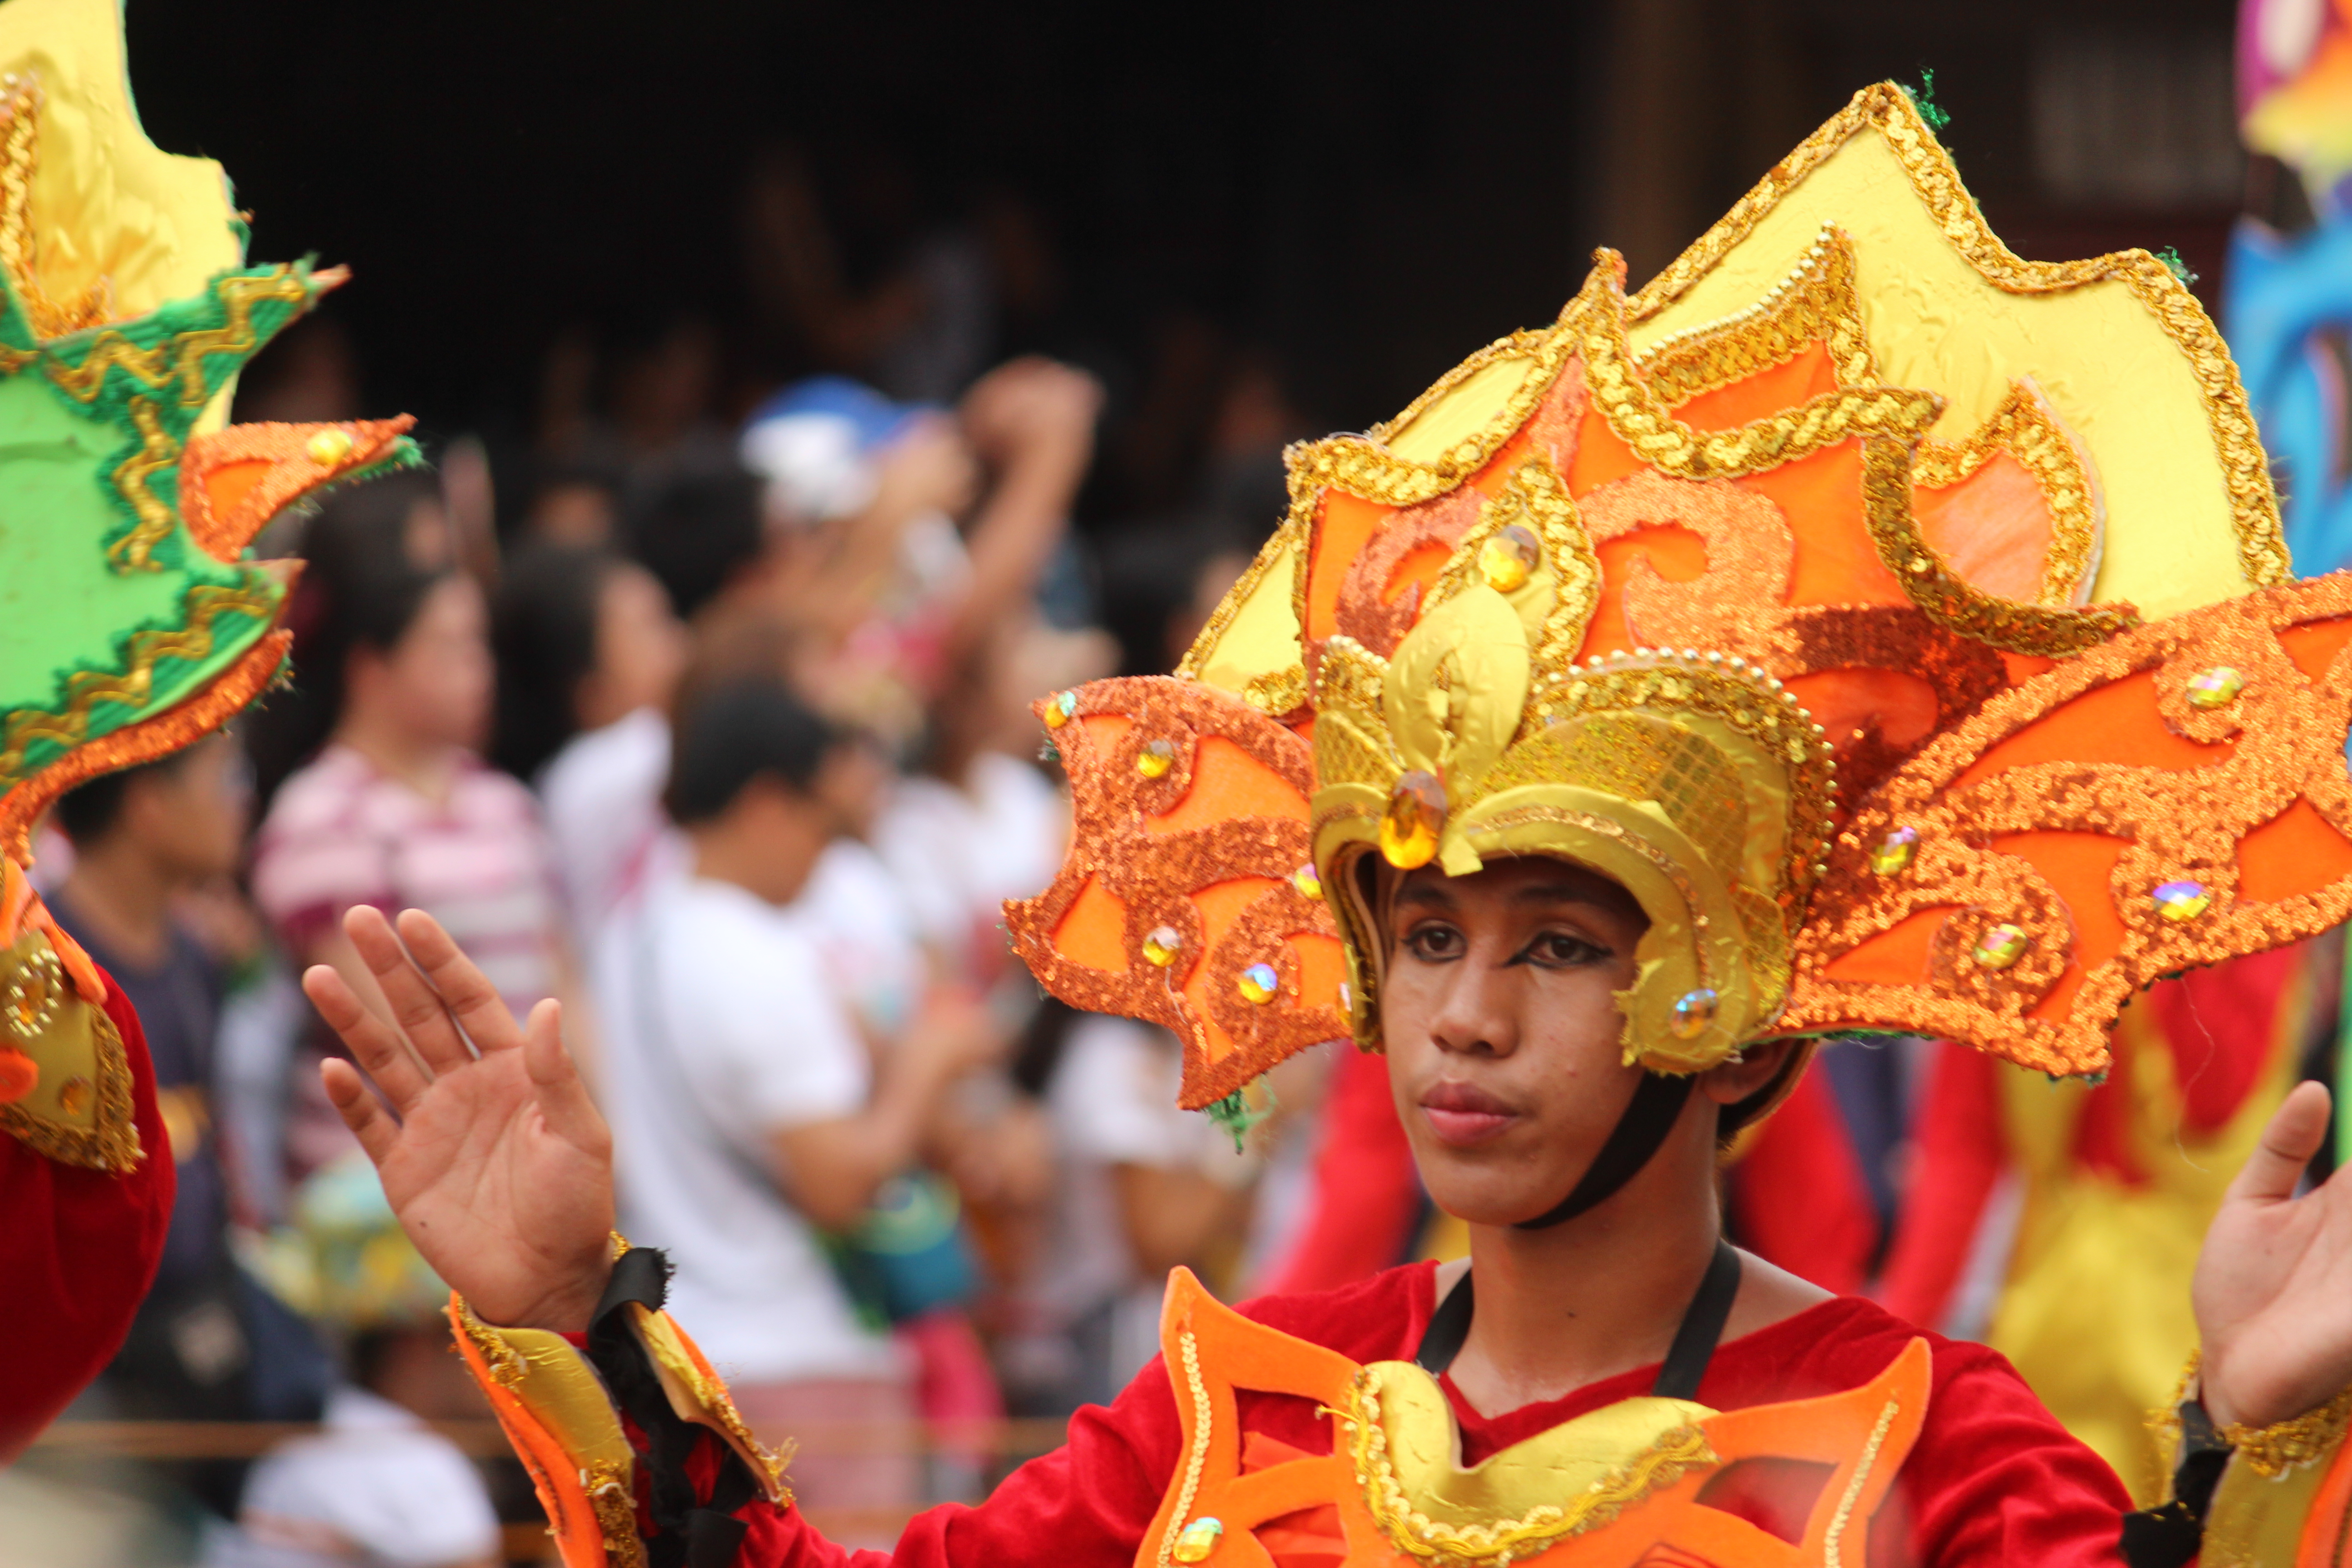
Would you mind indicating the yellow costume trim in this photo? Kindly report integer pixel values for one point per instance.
(1407, 1479)
(696, 1393)
(19, 241)
(78, 1110)
(1832, 1544)
(181, 357)
(1196, 1456)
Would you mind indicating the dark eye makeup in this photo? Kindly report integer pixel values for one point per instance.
(1440, 941)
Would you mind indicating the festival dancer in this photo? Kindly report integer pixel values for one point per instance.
(135, 624)
(1857, 629)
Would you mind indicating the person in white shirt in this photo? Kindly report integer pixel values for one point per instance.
(589, 657)
(747, 1116)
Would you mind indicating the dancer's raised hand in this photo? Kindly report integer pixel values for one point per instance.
(492, 1154)
(2273, 1286)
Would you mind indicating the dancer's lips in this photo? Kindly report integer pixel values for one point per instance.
(1462, 1113)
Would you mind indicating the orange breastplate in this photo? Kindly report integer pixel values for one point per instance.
(1628, 1486)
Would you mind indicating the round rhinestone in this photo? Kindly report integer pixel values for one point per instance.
(1309, 884)
(1508, 558)
(328, 447)
(1894, 852)
(1060, 709)
(2215, 688)
(73, 1094)
(1260, 983)
(1161, 946)
(2001, 946)
(1415, 816)
(2182, 900)
(1155, 759)
(1694, 1011)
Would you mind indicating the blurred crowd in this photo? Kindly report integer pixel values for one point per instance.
(705, 715)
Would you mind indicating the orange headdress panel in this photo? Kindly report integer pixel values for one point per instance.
(1904, 624)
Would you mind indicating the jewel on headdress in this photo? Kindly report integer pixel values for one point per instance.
(1155, 759)
(2001, 946)
(1415, 816)
(1161, 945)
(2215, 688)
(1507, 559)
(1347, 997)
(1198, 1539)
(2182, 900)
(1060, 709)
(1309, 884)
(1694, 1011)
(328, 447)
(1259, 983)
(1894, 851)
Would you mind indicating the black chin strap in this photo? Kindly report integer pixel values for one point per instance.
(1648, 1116)
(1686, 1359)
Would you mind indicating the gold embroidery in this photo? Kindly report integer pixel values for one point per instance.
(65, 725)
(1196, 1454)
(1534, 498)
(157, 452)
(1833, 1543)
(2262, 547)
(181, 357)
(1660, 1465)
(2272, 1451)
(112, 1141)
(20, 135)
(504, 1360)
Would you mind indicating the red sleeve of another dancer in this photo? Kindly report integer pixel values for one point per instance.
(1960, 1154)
(1366, 1190)
(77, 1250)
(1798, 1197)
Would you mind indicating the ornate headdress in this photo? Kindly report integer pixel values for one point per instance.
(134, 621)
(1905, 625)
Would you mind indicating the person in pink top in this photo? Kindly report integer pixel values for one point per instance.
(389, 805)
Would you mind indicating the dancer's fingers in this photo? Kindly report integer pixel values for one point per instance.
(460, 984)
(374, 1044)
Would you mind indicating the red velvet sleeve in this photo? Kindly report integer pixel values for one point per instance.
(1961, 1150)
(1366, 1189)
(77, 1250)
(1798, 1199)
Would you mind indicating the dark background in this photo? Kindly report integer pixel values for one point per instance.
(1361, 191)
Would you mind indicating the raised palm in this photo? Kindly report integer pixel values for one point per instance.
(2273, 1286)
(494, 1157)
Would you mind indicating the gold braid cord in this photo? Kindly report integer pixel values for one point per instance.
(2182, 824)
(20, 143)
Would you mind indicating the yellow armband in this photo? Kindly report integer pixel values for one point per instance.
(2284, 1495)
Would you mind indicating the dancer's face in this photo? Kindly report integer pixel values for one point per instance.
(1505, 1041)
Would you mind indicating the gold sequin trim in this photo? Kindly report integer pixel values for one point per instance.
(607, 1489)
(1833, 1541)
(1667, 1458)
(2284, 737)
(1949, 599)
(2262, 547)
(1196, 1453)
(20, 136)
(113, 1143)
(503, 1360)
(2024, 428)
(1289, 538)
(64, 725)
(1815, 303)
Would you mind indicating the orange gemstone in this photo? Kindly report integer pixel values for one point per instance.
(1415, 816)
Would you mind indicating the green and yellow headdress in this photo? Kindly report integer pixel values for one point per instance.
(131, 621)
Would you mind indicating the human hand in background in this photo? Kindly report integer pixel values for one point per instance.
(2274, 1284)
(498, 1165)
(1032, 408)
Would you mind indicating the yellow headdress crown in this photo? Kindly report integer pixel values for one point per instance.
(1902, 623)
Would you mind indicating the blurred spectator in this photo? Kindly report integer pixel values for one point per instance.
(308, 372)
(748, 1117)
(378, 1485)
(391, 805)
(701, 535)
(1141, 1187)
(576, 503)
(589, 656)
(208, 1344)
